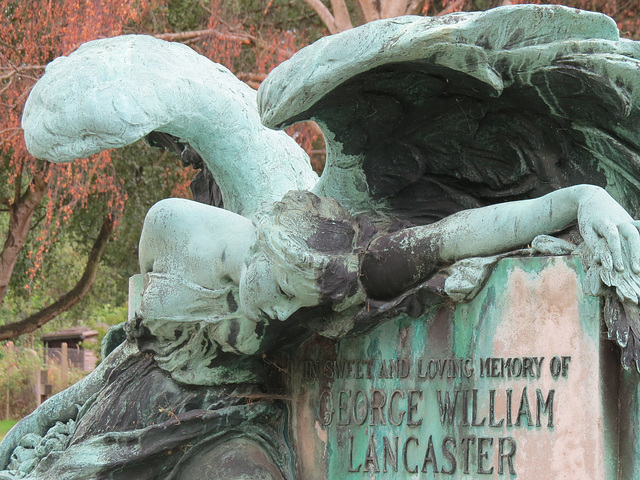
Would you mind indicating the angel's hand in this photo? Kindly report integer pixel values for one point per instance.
(609, 231)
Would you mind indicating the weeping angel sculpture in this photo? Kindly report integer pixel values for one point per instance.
(450, 141)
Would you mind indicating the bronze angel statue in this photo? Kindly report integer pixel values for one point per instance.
(450, 141)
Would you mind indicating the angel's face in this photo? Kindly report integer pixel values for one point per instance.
(269, 292)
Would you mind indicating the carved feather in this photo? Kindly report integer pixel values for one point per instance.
(112, 92)
(424, 117)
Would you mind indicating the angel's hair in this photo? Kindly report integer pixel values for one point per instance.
(314, 238)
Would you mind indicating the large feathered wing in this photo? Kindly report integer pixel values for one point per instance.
(427, 116)
(112, 92)
(424, 117)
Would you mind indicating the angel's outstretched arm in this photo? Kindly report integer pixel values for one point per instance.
(408, 256)
(63, 406)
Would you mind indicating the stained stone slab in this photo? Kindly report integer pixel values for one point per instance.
(520, 382)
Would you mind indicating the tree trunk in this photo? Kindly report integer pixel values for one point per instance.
(336, 22)
(395, 8)
(69, 299)
(19, 224)
(341, 15)
(370, 10)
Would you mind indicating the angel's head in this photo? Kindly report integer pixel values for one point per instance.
(306, 254)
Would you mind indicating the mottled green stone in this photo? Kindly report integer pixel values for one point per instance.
(526, 300)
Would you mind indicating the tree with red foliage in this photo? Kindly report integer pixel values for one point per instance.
(31, 35)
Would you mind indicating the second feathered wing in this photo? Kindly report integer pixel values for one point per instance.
(427, 116)
(112, 92)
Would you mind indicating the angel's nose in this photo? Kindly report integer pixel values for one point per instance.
(285, 310)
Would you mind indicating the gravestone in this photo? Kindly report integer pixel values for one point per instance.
(520, 382)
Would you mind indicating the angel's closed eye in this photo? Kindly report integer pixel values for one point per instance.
(288, 295)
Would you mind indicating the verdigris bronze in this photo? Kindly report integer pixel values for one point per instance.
(451, 142)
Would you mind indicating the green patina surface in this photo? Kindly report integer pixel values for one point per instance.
(471, 333)
(548, 95)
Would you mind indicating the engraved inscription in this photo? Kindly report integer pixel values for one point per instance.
(391, 421)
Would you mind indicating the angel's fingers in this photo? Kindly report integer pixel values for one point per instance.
(610, 233)
(631, 236)
(593, 241)
(604, 254)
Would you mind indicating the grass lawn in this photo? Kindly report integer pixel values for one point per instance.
(5, 426)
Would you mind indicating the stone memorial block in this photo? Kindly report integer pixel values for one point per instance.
(517, 381)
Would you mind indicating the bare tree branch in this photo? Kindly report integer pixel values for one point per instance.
(72, 297)
(19, 225)
(370, 10)
(341, 15)
(454, 6)
(414, 7)
(11, 71)
(393, 9)
(240, 37)
(396, 8)
(325, 15)
(251, 77)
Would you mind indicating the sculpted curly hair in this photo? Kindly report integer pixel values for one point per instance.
(317, 239)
